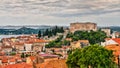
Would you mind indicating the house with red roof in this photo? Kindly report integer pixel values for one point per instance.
(48, 57)
(30, 60)
(115, 49)
(53, 64)
(6, 48)
(112, 41)
(19, 65)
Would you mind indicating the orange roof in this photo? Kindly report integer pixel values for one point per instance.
(19, 43)
(116, 40)
(4, 60)
(116, 50)
(12, 60)
(6, 46)
(29, 42)
(20, 65)
(2, 53)
(39, 41)
(117, 53)
(113, 47)
(0, 57)
(53, 64)
(32, 58)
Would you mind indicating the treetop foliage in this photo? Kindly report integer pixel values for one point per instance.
(93, 56)
(53, 31)
(93, 36)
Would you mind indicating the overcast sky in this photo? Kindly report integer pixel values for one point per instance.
(59, 12)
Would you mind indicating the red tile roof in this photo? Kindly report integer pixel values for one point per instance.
(53, 64)
(12, 60)
(4, 60)
(48, 55)
(39, 41)
(116, 40)
(32, 58)
(20, 65)
(116, 50)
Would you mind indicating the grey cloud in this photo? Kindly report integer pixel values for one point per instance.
(60, 8)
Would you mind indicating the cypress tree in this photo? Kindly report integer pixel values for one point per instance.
(39, 34)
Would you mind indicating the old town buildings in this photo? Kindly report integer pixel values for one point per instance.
(29, 51)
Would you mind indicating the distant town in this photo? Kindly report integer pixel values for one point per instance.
(60, 46)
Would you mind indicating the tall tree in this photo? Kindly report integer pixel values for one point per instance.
(46, 32)
(39, 34)
(61, 29)
(93, 56)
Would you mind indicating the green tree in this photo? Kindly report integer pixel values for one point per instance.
(93, 56)
(27, 55)
(61, 29)
(46, 32)
(56, 43)
(53, 31)
(69, 35)
(39, 34)
(93, 36)
(22, 55)
(65, 42)
(50, 34)
(12, 53)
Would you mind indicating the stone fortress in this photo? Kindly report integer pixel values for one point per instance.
(87, 26)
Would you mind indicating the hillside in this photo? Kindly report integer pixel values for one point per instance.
(115, 28)
(22, 30)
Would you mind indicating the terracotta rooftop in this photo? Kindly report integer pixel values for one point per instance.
(53, 64)
(32, 58)
(4, 60)
(6, 46)
(20, 65)
(48, 56)
(116, 40)
(116, 50)
(39, 41)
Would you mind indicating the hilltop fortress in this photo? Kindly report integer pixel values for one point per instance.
(87, 26)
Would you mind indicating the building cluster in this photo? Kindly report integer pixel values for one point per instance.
(111, 43)
(22, 43)
(30, 52)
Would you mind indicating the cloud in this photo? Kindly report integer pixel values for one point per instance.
(58, 8)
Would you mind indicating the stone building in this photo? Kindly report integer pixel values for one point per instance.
(87, 26)
(79, 44)
(107, 31)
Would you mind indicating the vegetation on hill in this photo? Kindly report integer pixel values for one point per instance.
(115, 28)
(27, 30)
(93, 56)
(53, 31)
(22, 30)
(93, 36)
(58, 43)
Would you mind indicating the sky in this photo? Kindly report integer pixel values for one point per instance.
(59, 12)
